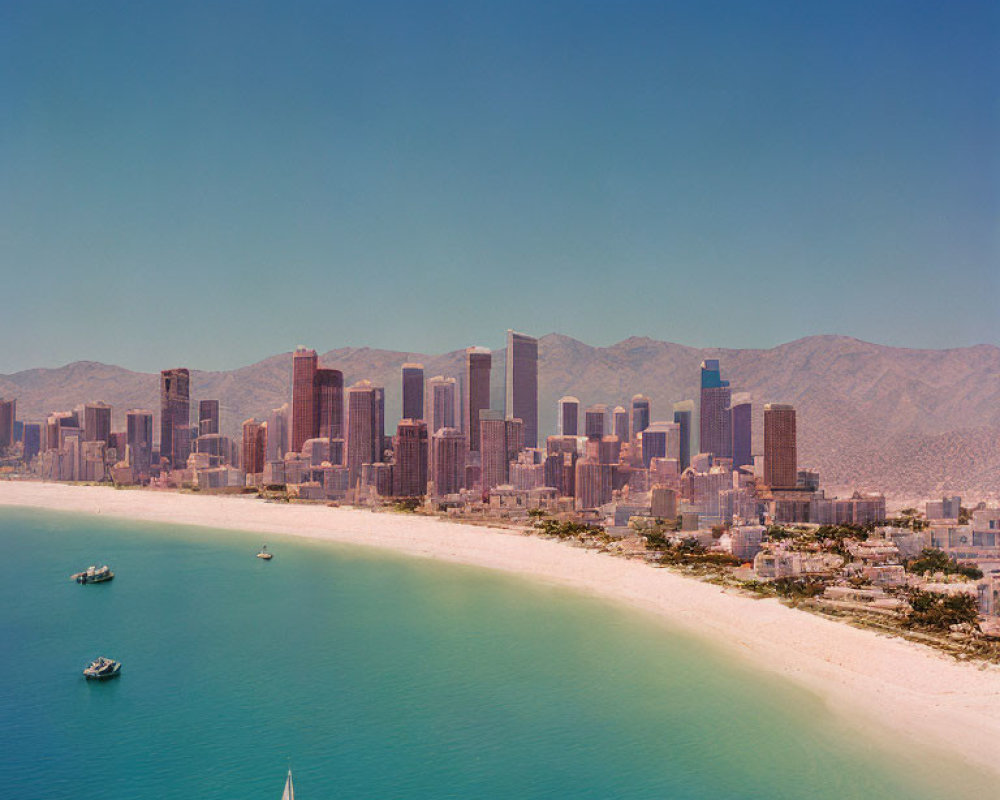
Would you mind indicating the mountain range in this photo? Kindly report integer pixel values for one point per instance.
(905, 421)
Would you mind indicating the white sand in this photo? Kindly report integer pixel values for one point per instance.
(898, 686)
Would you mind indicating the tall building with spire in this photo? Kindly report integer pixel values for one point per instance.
(780, 451)
(521, 399)
(716, 422)
(304, 363)
(478, 364)
(175, 417)
(413, 391)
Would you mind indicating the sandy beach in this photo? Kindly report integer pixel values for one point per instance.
(889, 684)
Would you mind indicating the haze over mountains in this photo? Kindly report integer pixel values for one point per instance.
(905, 421)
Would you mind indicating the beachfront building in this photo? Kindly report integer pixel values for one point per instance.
(175, 417)
(410, 453)
(478, 365)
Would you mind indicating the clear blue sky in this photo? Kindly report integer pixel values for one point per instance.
(210, 183)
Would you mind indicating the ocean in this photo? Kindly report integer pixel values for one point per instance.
(382, 676)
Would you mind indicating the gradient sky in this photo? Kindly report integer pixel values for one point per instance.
(210, 183)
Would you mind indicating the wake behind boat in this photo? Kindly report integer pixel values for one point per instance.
(289, 793)
(102, 668)
(94, 574)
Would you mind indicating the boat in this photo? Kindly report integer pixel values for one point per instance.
(289, 793)
(94, 574)
(102, 668)
(264, 554)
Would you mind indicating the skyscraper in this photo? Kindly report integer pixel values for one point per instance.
(328, 404)
(780, 454)
(478, 363)
(139, 439)
(594, 419)
(568, 417)
(620, 425)
(175, 417)
(661, 440)
(208, 417)
(448, 467)
(254, 446)
(378, 424)
(304, 363)
(277, 433)
(413, 391)
(742, 430)
(32, 439)
(8, 413)
(716, 422)
(493, 448)
(441, 396)
(360, 429)
(522, 383)
(640, 414)
(97, 422)
(683, 416)
(410, 453)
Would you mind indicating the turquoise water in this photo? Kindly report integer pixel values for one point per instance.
(381, 677)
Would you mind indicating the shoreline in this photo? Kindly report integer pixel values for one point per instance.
(911, 691)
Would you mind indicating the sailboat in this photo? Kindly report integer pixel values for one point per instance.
(289, 793)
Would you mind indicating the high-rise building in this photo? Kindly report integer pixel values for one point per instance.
(780, 454)
(593, 483)
(441, 397)
(620, 418)
(660, 440)
(254, 446)
(328, 404)
(742, 430)
(448, 467)
(594, 421)
(684, 416)
(378, 424)
(410, 452)
(493, 448)
(97, 422)
(139, 439)
(478, 364)
(568, 417)
(640, 414)
(32, 440)
(715, 423)
(208, 417)
(277, 433)
(521, 400)
(175, 417)
(413, 391)
(304, 363)
(360, 429)
(8, 412)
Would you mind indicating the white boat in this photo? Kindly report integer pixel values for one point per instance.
(264, 554)
(94, 574)
(289, 793)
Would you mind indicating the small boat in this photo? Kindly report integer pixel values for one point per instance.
(289, 793)
(102, 669)
(94, 575)
(264, 554)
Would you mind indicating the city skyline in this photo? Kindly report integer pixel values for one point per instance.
(518, 144)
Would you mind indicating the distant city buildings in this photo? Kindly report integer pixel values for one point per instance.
(568, 416)
(175, 417)
(413, 391)
(478, 364)
(780, 452)
(715, 419)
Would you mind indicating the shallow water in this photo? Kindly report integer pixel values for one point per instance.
(383, 676)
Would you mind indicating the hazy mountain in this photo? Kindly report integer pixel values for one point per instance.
(879, 417)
